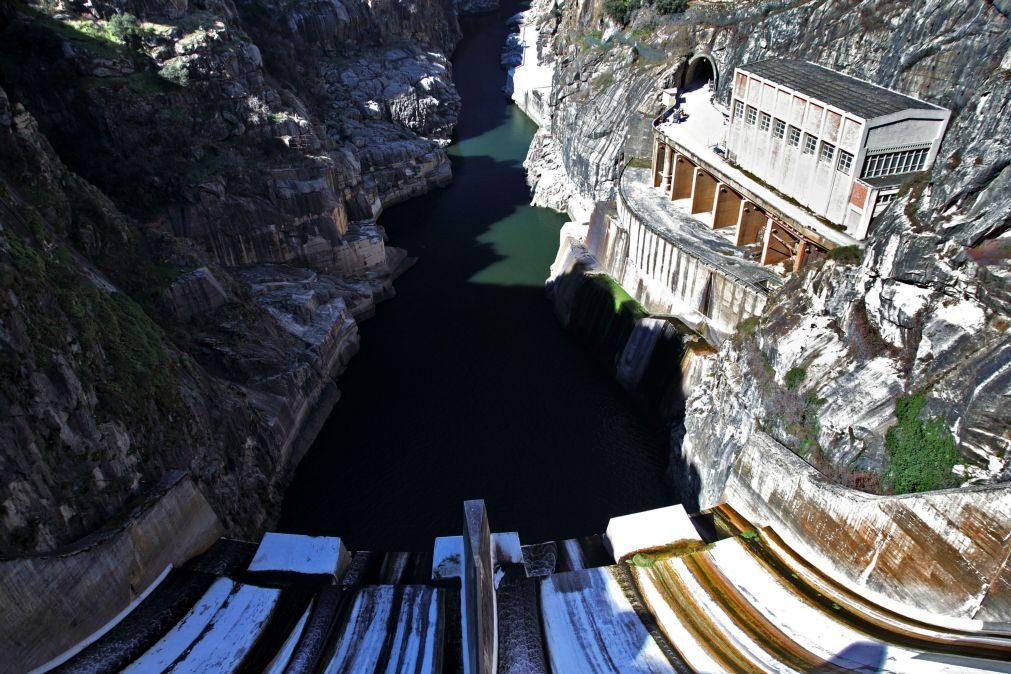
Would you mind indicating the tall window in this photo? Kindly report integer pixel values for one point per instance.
(845, 163)
(891, 163)
(810, 143)
(778, 129)
(794, 139)
(764, 121)
(738, 109)
(751, 116)
(827, 151)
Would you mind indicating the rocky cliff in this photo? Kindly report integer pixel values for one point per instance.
(188, 203)
(920, 318)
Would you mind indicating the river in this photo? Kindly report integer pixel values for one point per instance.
(466, 386)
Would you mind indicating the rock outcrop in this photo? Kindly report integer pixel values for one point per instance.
(188, 203)
(924, 316)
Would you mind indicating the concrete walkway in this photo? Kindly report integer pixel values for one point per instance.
(687, 232)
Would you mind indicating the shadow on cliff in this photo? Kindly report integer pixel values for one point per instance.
(466, 385)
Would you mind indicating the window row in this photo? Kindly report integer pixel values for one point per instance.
(780, 130)
(892, 163)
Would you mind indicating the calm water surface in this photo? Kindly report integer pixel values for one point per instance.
(466, 386)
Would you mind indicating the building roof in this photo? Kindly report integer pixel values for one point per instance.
(884, 182)
(847, 93)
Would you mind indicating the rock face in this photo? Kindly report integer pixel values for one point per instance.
(188, 234)
(924, 314)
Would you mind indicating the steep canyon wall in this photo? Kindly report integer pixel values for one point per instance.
(188, 203)
(926, 309)
(790, 421)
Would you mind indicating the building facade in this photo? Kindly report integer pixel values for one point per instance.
(839, 146)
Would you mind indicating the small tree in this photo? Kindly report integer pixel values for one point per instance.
(125, 28)
(671, 6)
(621, 10)
(175, 71)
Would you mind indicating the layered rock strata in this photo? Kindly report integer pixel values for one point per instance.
(923, 315)
(188, 204)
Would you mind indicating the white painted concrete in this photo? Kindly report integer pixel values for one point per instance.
(216, 633)
(232, 633)
(293, 553)
(447, 554)
(705, 128)
(360, 647)
(649, 529)
(589, 626)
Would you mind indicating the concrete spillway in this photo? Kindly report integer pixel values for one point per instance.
(659, 592)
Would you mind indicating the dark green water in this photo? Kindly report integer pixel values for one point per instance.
(466, 386)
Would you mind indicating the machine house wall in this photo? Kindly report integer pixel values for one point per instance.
(814, 152)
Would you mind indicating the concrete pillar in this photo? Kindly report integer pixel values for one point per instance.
(480, 637)
(727, 209)
(668, 167)
(772, 244)
(800, 255)
(703, 192)
(658, 149)
(750, 222)
(684, 176)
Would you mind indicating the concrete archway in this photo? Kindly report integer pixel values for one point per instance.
(701, 68)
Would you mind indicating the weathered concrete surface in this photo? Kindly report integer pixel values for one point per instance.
(53, 602)
(674, 264)
(480, 628)
(938, 552)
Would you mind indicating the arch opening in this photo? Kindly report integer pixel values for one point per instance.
(700, 72)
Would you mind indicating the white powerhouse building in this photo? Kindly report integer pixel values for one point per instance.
(838, 145)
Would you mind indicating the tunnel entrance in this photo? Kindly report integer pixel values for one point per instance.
(700, 72)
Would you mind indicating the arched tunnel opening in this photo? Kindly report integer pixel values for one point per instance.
(700, 72)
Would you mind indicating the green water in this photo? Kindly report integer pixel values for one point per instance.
(466, 386)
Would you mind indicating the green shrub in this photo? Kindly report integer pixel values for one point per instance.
(621, 10)
(747, 327)
(670, 6)
(175, 71)
(124, 28)
(846, 254)
(794, 377)
(921, 453)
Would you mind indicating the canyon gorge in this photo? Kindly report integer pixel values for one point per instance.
(333, 268)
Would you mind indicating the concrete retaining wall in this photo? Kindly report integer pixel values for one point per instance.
(666, 278)
(53, 602)
(944, 552)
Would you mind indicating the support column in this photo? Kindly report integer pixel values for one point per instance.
(477, 592)
(750, 222)
(727, 209)
(703, 192)
(658, 149)
(799, 255)
(772, 244)
(684, 175)
(668, 167)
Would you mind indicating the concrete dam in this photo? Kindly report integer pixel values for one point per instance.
(658, 591)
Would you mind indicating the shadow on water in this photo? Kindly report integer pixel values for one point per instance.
(466, 386)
